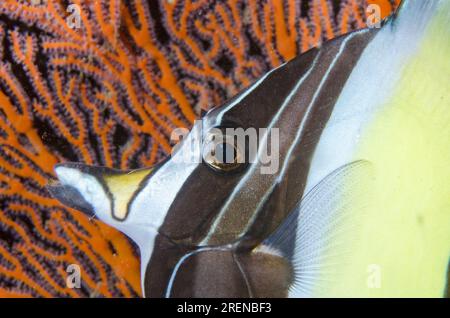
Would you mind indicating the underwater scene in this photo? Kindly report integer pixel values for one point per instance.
(224, 148)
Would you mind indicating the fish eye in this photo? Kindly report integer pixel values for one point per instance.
(222, 152)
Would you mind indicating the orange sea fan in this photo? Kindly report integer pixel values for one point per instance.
(110, 92)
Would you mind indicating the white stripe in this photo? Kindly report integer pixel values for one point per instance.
(244, 94)
(371, 84)
(367, 90)
(316, 94)
(305, 118)
(150, 207)
(244, 180)
(185, 257)
(161, 190)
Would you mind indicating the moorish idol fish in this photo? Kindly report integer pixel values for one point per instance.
(358, 204)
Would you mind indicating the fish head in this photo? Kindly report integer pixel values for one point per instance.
(207, 192)
(205, 217)
(228, 183)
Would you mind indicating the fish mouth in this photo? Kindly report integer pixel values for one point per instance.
(70, 196)
(67, 192)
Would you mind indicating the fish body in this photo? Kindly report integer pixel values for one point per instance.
(353, 201)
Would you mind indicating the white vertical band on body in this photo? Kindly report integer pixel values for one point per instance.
(149, 208)
(244, 181)
(369, 86)
(253, 168)
(306, 117)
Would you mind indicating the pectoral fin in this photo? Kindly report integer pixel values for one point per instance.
(319, 233)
